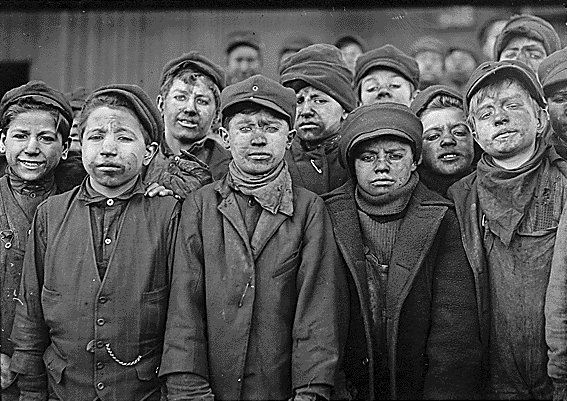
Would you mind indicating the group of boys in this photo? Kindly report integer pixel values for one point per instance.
(422, 271)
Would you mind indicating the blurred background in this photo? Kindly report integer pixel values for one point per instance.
(68, 47)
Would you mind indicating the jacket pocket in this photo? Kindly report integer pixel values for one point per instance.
(154, 311)
(147, 369)
(55, 364)
(289, 265)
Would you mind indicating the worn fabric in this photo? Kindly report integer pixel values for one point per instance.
(257, 317)
(513, 280)
(437, 182)
(559, 144)
(432, 328)
(70, 322)
(316, 169)
(273, 191)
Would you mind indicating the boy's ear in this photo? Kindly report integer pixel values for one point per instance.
(290, 136)
(151, 150)
(66, 146)
(159, 101)
(223, 132)
(2, 141)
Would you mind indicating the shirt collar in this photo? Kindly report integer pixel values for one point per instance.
(90, 196)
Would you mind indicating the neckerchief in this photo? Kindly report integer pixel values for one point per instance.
(326, 144)
(389, 206)
(271, 190)
(505, 195)
(38, 188)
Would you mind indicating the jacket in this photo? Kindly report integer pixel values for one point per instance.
(257, 317)
(96, 338)
(433, 339)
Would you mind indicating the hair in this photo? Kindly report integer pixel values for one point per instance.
(442, 102)
(494, 85)
(191, 76)
(114, 101)
(25, 105)
(248, 108)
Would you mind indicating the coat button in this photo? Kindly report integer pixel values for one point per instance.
(239, 380)
(100, 385)
(107, 241)
(110, 202)
(100, 321)
(365, 361)
(99, 365)
(102, 300)
(99, 344)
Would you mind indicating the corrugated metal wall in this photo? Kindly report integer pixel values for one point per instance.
(74, 48)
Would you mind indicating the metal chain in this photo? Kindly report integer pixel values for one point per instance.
(118, 361)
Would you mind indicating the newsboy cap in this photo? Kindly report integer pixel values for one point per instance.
(262, 91)
(376, 120)
(389, 57)
(553, 70)
(295, 44)
(242, 38)
(142, 106)
(322, 67)
(488, 71)
(39, 92)
(77, 97)
(531, 27)
(196, 61)
(424, 97)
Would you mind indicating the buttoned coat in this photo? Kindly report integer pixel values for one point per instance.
(257, 317)
(433, 337)
(77, 326)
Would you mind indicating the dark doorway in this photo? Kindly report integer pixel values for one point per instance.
(13, 74)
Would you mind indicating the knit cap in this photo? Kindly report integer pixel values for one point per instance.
(390, 57)
(141, 105)
(242, 38)
(553, 70)
(424, 97)
(322, 67)
(196, 61)
(39, 92)
(530, 26)
(375, 120)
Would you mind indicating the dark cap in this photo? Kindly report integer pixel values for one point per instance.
(196, 61)
(428, 43)
(389, 57)
(488, 71)
(263, 91)
(322, 67)
(424, 97)
(344, 40)
(553, 70)
(142, 105)
(242, 38)
(77, 97)
(529, 26)
(295, 44)
(39, 92)
(379, 119)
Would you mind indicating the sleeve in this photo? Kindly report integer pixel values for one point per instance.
(454, 348)
(30, 334)
(321, 317)
(556, 313)
(185, 343)
(184, 174)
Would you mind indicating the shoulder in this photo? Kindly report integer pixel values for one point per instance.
(427, 197)
(339, 194)
(304, 198)
(462, 188)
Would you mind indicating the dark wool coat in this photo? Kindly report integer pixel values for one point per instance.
(433, 336)
(70, 321)
(257, 317)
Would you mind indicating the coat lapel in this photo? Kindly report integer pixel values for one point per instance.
(228, 207)
(266, 227)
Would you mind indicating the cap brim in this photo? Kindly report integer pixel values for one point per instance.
(558, 78)
(262, 102)
(388, 64)
(379, 133)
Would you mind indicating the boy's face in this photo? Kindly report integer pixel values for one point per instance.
(447, 146)
(243, 62)
(430, 66)
(528, 50)
(383, 164)
(319, 116)
(257, 141)
(557, 107)
(383, 85)
(114, 149)
(33, 145)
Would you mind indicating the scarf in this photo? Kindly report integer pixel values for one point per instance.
(271, 190)
(389, 206)
(505, 195)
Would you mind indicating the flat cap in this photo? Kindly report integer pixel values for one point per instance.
(295, 43)
(531, 27)
(424, 97)
(389, 57)
(39, 92)
(142, 105)
(428, 43)
(488, 71)
(553, 70)
(344, 40)
(322, 67)
(77, 97)
(262, 91)
(196, 61)
(379, 119)
(242, 38)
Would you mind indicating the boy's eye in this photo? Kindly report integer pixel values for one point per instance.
(367, 157)
(47, 139)
(431, 137)
(180, 98)
(395, 156)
